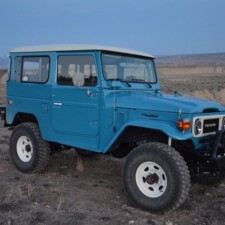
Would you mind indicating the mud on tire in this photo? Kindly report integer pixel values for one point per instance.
(29, 152)
(156, 177)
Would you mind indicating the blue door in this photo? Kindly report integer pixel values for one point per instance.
(75, 100)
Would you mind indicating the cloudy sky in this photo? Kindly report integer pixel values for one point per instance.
(159, 27)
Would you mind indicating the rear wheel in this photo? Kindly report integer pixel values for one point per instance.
(156, 177)
(28, 151)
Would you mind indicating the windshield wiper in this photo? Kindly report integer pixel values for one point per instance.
(141, 81)
(121, 80)
(149, 85)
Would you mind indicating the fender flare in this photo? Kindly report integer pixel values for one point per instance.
(169, 128)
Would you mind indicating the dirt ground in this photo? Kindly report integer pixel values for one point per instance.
(82, 191)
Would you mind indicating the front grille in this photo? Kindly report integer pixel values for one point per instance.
(210, 125)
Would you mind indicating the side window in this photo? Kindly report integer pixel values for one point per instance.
(35, 69)
(77, 70)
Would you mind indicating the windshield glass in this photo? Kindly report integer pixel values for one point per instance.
(128, 68)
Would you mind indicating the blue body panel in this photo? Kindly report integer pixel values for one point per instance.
(93, 118)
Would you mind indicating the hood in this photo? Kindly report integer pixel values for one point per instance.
(166, 103)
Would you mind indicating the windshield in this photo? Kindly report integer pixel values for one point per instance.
(128, 68)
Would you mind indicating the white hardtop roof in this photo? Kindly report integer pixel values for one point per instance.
(76, 47)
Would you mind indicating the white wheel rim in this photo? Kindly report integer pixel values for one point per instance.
(24, 149)
(151, 179)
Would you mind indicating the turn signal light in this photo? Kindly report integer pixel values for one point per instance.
(10, 102)
(183, 125)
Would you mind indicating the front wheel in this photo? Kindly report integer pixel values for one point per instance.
(156, 177)
(29, 152)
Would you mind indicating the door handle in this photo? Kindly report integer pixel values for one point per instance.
(57, 104)
(89, 92)
(92, 94)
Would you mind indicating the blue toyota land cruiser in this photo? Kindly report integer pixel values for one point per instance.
(107, 100)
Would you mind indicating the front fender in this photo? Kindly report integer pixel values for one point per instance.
(169, 128)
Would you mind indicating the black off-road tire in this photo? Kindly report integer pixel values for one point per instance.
(29, 152)
(156, 177)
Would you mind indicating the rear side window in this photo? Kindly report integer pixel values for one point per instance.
(35, 69)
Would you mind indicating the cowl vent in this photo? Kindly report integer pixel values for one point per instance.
(210, 110)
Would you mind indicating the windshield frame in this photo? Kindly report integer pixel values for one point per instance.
(130, 56)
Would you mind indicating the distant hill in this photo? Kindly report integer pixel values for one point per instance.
(213, 59)
(182, 65)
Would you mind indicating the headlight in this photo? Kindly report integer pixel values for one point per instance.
(198, 127)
